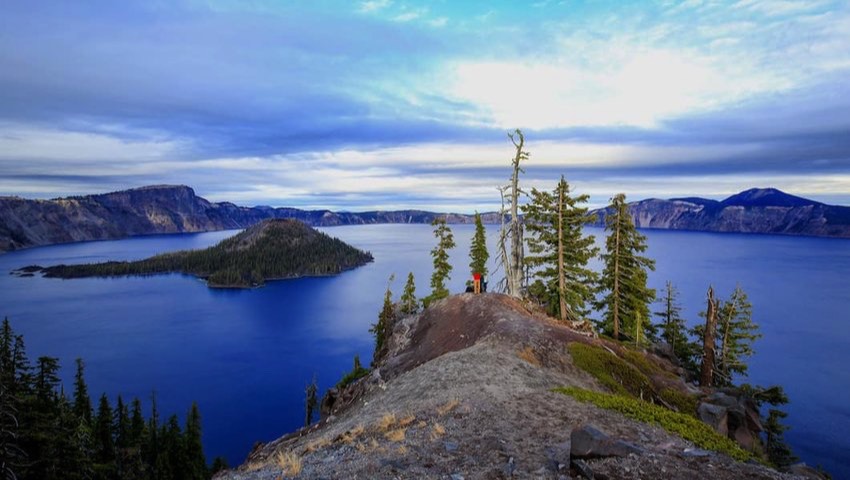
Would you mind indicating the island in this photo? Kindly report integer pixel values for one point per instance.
(273, 249)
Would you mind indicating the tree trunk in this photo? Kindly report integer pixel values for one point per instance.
(514, 271)
(616, 290)
(708, 341)
(562, 280)
(724, 345)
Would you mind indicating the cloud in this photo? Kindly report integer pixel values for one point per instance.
(374, 5)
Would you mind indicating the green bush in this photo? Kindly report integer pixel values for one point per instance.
(680, 424)
(612, 371)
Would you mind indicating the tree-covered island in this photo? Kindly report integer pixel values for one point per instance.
(270, 250)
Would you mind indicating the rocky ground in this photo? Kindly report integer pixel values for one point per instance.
(466, 394)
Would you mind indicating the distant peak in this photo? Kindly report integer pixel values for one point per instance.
(767, 197)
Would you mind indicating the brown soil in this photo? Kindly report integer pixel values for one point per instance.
(466, 393)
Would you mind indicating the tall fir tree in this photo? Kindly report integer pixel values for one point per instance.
(674, 331)
(311, 400)
(383, 327)
(735, 336)
(478, 254)
(197, 462)
(82, 401)
(104, 444)
(625, 295)
(559, 252)
(409, 305)
(440, 255)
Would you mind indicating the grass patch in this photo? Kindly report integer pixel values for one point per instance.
(682, 402)
(612, 371)
(683, 425)
(529, 356)
(396, 435)
(386, 422)
(290, 463)
(448, 407)
(352, 435)
(437, 431)
(406, 420)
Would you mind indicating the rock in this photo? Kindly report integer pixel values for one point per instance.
(722, 399)
(456, 476)
(715, 416)
(582, 469)
(744, 437)
(696, 452)
(589, 442)
(510, 467)
(450, 446)
(806, 471)
(558, 456)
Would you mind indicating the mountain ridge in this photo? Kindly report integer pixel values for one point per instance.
(158, 209)
(757, 210)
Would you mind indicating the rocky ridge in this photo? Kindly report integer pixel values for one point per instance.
(466, 392)
(161, 209)
(758, 210)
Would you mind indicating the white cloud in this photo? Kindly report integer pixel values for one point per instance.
(374, 5)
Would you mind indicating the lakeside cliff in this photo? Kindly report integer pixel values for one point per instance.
(161, 209)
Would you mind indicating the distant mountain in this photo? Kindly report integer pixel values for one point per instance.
(758, 210)
(270, 250)
(162, 209)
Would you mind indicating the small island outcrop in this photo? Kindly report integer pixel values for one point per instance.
(270, 250)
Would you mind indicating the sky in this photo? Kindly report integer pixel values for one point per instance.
(390, 104)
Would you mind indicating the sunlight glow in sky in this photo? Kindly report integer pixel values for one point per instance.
(399, 104)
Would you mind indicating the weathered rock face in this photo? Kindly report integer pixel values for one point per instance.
(589, 442)
(162, 209)
(731, 413)
(753, 211)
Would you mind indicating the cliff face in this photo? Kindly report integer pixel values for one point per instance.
(753, 211)
(161, 209)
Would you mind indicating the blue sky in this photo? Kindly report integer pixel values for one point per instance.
(395, 104)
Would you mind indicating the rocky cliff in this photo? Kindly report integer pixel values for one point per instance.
(161, 209)
(758, 210)
(472, 388)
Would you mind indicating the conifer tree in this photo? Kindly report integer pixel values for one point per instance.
(104, 446)
(513, 263)
(82, 402)
(560, 252)
(478, 254)
(408, 296)
(736, 334)
(673, 329)
(383, 326)
(197, 462)
(311, 400)
(442, 267)
(626, 296)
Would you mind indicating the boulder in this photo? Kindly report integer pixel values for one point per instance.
(715, 416)
(588, 442)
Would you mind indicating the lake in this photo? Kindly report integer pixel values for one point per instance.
(246, 355)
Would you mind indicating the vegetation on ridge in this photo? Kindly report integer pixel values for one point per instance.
(685, 426)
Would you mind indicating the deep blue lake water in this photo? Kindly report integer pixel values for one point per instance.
(245, 356)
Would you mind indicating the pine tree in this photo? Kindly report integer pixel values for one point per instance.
(442, 267)
(478, 254)
(408, 296)
(104, 445)
(197, 462)
(736, 334)
(82, 402)
(559, 252)
(383, 326)
(673, 329)
(311, 400)
(626, 296)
